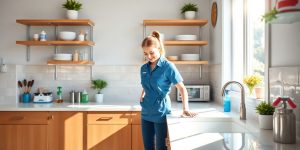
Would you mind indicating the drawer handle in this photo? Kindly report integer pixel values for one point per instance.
(17, 118)
(104, 118)
(51, 117)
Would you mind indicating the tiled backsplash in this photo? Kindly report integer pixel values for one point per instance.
(123, 81)
(285, 81)
(8, 85)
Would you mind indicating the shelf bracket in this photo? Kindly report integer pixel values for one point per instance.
(200, 72)
(28, 47)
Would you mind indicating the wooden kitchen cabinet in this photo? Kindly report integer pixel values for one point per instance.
(66, 130)
(24, 130)
(109, 130)
(136, 133)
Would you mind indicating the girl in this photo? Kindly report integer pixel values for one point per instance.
(157, 76)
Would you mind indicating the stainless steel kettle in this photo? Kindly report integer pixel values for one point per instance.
(284, 122)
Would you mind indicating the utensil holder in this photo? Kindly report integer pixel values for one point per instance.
(26, 97)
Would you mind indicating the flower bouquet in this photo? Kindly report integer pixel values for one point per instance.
(252, 81)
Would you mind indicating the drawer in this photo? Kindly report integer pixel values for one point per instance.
(109, 118)
(136, 117)
(24, 117)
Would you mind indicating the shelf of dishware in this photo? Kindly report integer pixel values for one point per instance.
(69, 62)
(176, 22)
(56, 22)
(53, 43)
(185, 43)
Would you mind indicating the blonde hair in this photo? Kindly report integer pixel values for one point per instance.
(154, 40)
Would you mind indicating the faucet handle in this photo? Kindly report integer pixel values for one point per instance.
(276, 102)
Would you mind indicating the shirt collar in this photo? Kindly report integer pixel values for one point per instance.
(159, 62)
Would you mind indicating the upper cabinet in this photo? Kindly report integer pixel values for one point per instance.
(177, 22)
(55, 41)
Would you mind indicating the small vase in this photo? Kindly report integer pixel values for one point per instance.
(259, 92)
(265, 121)
(72, 14)
(189, 15)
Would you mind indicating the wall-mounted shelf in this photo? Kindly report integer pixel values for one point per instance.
(56, 22)
(185, 43)
(200, 23)
(66, 62)
(182, 62)
(179, 22)
(53, 43)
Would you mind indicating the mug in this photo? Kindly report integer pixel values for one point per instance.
(26, 97)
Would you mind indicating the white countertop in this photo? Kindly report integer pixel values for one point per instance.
(212, 129)
(106, 106)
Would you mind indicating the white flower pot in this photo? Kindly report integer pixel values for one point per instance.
(265, 121)
(190, 15)
(72, 14)
(99, 98)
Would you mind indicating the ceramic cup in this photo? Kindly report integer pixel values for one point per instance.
(26, 97)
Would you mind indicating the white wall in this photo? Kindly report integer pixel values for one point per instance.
(118, 33)
(118, 29)
(285, 45)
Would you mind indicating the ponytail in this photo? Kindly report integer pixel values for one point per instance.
(154, 40)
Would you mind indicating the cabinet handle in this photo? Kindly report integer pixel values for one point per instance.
(104, 118)
(17, 118)
(51, 117)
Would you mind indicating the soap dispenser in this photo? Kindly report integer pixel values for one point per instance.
(284, 122)
(226, 101)
(59, 94)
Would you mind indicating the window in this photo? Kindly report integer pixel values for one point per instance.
(248, 38)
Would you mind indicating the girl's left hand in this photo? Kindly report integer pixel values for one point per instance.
(187, 113)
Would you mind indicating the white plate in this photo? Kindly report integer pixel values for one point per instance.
(186, 37)
(62, 57)
(190, 57)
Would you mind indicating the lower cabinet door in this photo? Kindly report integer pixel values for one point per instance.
(109, 137)
(137, 138)
(23, 137)
(66, 131)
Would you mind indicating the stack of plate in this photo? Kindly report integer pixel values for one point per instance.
(186, 37)
(172, 58)
(190, 57)
(62, 57)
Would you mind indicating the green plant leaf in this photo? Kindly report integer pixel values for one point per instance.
(264, 108)
(98, 85)
(189, 7)
(72, 5)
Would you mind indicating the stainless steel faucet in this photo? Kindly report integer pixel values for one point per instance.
(242, 105)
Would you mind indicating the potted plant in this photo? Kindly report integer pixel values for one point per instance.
(99, 85)
(72, 7)
(265, 117)
(189, 10)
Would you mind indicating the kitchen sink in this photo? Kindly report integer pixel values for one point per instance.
(98, 106)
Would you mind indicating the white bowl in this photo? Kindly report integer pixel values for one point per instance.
(190, 57)
(172, 58)
(67, 35)
(62, 56)
(186, 37)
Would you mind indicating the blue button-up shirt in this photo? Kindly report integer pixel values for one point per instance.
(157, 85)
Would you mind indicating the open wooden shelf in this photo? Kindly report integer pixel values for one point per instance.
(182, 62)
(67, 62)
(185, 43)
(178, 22)
(56, 22)
(50, 43)
(187, 62)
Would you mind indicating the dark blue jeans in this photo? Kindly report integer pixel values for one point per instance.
(151, 130)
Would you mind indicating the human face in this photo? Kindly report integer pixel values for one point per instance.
(151, 53)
